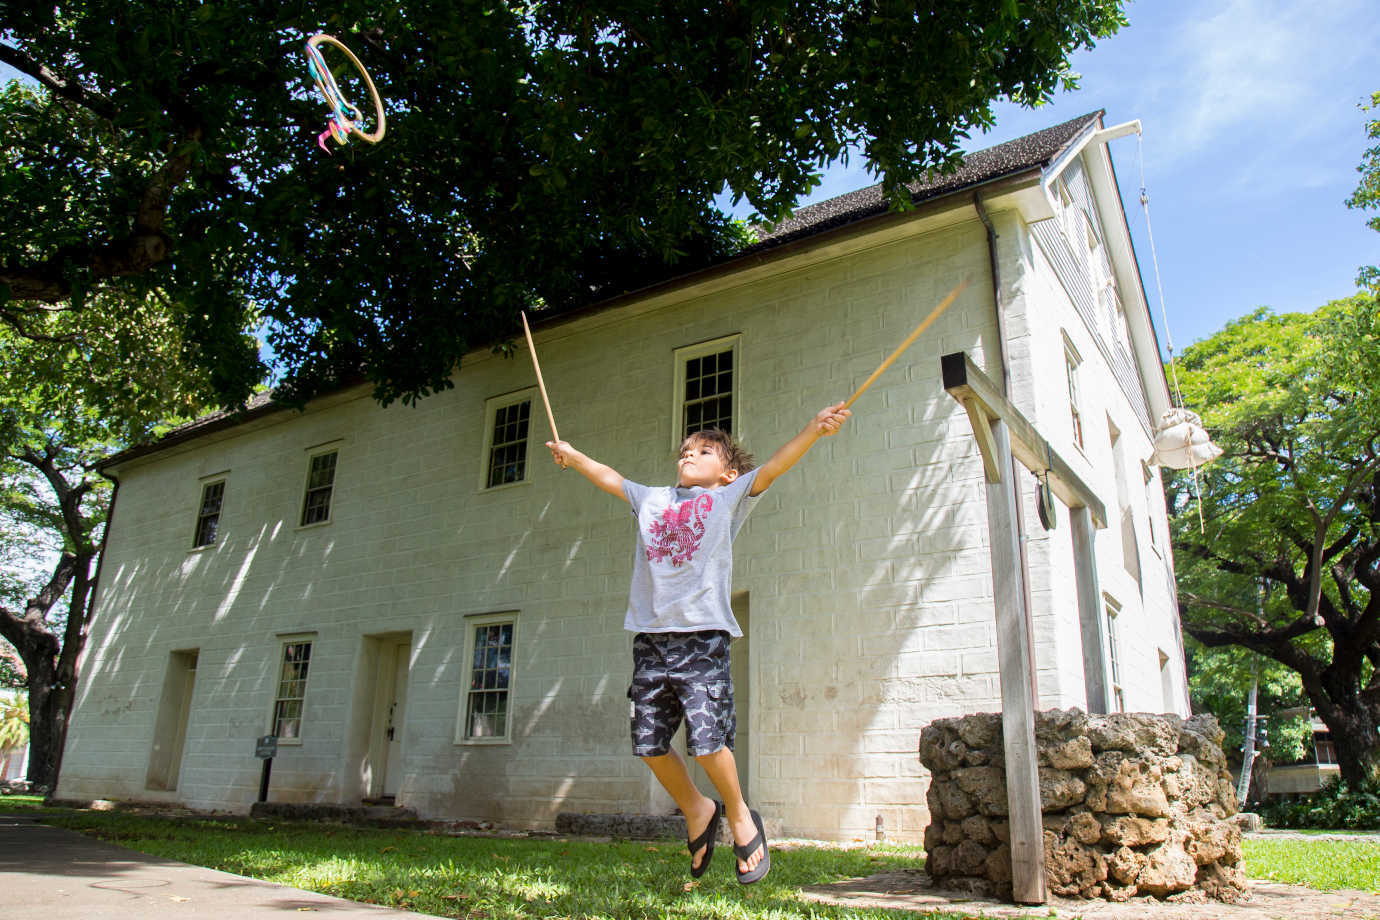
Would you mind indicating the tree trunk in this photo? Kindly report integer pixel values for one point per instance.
(52, 665)
(1358, 746)
(49, 708)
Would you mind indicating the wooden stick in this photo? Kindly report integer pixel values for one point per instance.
(555, 436)
(910, 339)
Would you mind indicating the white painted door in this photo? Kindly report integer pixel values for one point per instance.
(393, 727)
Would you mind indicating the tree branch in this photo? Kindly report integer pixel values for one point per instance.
(135, 254)
(70, 90)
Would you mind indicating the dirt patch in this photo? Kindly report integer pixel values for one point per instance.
(909, 889)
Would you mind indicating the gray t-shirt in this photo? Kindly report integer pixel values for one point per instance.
(683, 567)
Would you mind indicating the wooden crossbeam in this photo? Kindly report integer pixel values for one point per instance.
(982, 399)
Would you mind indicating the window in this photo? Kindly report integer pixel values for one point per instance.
(1153, 497)
(508, 428)
(1071, 363)
(1324, 747)
(208, 515)
(1130, 545)
(486, 698)
(292, 690)
(1113, 656)
(706, 391)
(316, 504)
(1068, 214)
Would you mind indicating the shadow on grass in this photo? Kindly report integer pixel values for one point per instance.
(500, 878)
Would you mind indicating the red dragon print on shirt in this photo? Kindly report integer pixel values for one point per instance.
(677, 535)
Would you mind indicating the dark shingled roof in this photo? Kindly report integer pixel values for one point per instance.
(1008, 159)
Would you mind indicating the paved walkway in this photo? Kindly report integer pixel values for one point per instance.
(47, 873)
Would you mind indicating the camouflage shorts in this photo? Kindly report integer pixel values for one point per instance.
(681, 676)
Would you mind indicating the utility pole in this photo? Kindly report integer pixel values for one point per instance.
(1248, 749)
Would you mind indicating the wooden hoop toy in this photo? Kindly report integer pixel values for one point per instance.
(339, 124)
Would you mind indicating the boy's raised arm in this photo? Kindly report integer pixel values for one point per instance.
(827, 421)
(605, 477)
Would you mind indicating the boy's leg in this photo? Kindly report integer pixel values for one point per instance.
(722, 770)
(657, 713)
(697, 808)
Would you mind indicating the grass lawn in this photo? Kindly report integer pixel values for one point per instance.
(1322, 864)
(490, 877)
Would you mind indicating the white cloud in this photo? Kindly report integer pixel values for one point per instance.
(1261, 71)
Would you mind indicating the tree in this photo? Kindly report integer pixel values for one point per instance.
(1287, 564)
(1367, 194)
(78, 388)
(14, 726)
(536, 154)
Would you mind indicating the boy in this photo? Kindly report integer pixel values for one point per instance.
(679, 609)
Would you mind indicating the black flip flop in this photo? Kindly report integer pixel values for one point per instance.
(705, 840)
(759, 872)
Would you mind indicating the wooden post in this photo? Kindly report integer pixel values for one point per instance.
(1004, 436)
(1015, 652)
(1096, 681)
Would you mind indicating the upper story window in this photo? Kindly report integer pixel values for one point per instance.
(291, 695)
(1130, 545)
(1068, 213)
(208, 514)
(706, 387)
(1154, 498)
(1113, 611)
(1072, 362)
(508, 430)
(316, 503)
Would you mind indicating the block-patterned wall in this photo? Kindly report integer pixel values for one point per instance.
(865, 569)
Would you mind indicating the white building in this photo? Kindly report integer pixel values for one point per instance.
(420, 604)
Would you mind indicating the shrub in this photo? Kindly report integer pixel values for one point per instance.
(1335, 805)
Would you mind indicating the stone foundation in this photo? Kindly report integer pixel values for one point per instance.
(1133, 803)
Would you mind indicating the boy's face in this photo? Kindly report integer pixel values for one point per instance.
(701, 464)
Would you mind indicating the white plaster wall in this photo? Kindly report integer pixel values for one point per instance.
(1148, 622)
(866, 567)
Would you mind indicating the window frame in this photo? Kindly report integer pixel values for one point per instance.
(1111, 611)
(1078, 417)
(1150, 478)
(1067, 212)
(320, 450)
(683, 356)
(218, 479)
(473, 623)
(1324, 750)
(492, 406)
(284, 643)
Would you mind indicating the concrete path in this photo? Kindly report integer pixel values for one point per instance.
(47, 873)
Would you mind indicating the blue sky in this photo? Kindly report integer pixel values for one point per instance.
(1251, 141)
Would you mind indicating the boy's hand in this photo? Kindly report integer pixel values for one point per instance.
(830, 419)
(560, 452)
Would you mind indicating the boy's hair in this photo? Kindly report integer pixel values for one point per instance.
(735, 457)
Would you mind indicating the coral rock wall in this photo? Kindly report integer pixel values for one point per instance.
(1133, 803)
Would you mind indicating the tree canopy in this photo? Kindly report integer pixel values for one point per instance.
(76, 388)
(1367, 194)
(536, 154)
(1287, 564)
